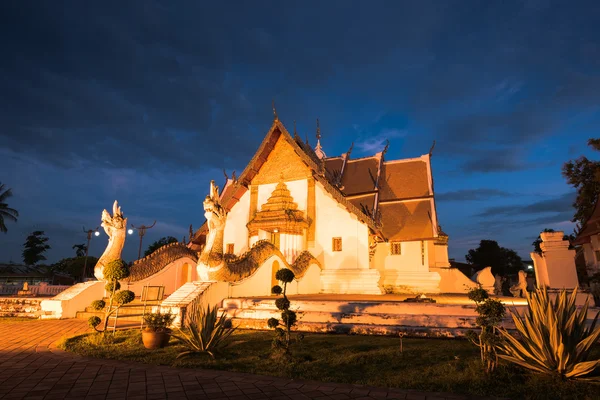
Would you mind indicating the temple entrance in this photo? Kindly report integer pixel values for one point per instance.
(274, 270)
(184, 274)
(275, 239)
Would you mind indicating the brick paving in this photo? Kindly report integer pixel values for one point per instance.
(31, 367)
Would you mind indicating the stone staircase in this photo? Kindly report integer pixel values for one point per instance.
(130, 315)
(359, 317)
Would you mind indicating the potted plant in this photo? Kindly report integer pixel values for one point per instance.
(156, 333)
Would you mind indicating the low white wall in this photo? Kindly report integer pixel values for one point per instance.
(171, 277)
(453, 280)
(76, 298)
(259, 283)
(309, 284)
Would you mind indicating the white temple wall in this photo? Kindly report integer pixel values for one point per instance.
(235, 228)
(410, 257)
(334, 220)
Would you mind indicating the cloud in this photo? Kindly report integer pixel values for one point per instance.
(371, 144)
(561, 205)
(472, 194)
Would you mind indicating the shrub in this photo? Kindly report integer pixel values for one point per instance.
(158, 321)
(490, 312)
(114, 271)
(208, 335)
(553, 336)
(283, 328)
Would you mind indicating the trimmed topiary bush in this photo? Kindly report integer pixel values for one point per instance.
(491, 312)
(113, 272)
(283, 328)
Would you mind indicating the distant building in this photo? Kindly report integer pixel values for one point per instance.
(17, 274)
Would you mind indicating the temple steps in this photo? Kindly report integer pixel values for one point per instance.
(130, 315)
(359, 317)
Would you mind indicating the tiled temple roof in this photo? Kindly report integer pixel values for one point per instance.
(394, 198)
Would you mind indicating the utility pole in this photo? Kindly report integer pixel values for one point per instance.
(89, 233)
(141, 232)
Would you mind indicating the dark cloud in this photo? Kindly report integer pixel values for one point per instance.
(471, 195)
(145, 101)
(562, 205)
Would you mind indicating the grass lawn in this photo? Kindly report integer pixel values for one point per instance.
(425, 364)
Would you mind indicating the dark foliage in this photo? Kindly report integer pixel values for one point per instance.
(5, 211)
(584, 176)
(35, 246)
(502, 260)
(158, 244)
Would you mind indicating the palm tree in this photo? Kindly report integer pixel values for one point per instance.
(5, 210)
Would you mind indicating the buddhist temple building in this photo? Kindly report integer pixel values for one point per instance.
(370, 222)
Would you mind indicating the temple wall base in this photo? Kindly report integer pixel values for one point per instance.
(412, 281)
(346, 281)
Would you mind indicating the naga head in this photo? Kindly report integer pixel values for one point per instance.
(114, 222)
(214, 213)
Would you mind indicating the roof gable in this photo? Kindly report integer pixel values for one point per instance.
(282, 163)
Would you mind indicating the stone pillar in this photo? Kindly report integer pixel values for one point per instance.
(555, 267)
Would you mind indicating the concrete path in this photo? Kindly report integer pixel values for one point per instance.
(32, 368)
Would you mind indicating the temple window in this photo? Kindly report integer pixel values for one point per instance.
(396, 248)
(336, 244)
(597, 252)
(230, 248)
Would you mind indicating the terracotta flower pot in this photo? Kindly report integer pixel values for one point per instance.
(154, 340)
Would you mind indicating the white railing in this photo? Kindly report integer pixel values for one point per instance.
(35, 290)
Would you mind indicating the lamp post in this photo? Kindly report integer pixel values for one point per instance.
(89, 233)
(141, 232)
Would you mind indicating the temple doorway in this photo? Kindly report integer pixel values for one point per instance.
(274, 270)
(184, 274)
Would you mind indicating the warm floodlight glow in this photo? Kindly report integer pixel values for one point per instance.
(130, 231)
(97, 233)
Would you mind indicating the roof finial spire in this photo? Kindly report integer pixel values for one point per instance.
(318, 131)
(295, 133)
(318, 149)
(274, 110)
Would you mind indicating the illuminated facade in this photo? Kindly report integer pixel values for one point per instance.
(370, 224)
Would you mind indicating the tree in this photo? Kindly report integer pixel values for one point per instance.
(79, 249)
(502, 260)
(537, 242)
(35, 247)
(158, 244)
(584, 175)
(73, 266)
(5, 211)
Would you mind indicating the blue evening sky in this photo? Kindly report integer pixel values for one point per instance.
(146, 101)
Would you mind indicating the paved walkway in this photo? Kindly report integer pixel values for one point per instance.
(32, 368)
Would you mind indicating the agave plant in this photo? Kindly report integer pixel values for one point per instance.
(554, 337)
(208, 335)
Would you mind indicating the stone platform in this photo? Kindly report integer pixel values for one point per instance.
(450, 316)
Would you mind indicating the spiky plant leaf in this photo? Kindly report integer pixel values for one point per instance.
(554, 337)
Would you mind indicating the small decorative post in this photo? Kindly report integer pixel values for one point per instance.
(141, 232)
(89, 233)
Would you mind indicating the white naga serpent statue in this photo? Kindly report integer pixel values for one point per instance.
(115, 227)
